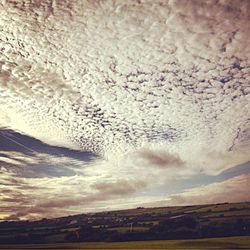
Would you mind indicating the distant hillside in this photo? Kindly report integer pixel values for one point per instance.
(182, 222)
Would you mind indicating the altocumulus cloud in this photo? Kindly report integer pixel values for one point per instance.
(159, 89)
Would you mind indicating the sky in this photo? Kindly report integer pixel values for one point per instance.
(117, 104)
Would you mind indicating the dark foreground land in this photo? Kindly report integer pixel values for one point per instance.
(150, 225)
(242, 242)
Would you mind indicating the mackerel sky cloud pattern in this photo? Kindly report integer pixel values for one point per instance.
(154, 87)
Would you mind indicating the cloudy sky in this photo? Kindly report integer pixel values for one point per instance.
(117, 104)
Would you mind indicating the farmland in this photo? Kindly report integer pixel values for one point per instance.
(140, 224)
(202, 244)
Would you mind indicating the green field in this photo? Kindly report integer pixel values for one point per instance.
(127, 229)
(203, 244)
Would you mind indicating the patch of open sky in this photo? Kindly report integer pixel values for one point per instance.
(200, 180)
(14, 141)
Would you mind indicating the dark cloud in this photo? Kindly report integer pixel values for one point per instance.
(102, 191)
(30, 158)
(119, 188)
(160, 159)
(14, 141)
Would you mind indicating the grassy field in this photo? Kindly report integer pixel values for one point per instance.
(127, 229)
(201, 244)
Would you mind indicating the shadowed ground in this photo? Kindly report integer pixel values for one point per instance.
(204, 244)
